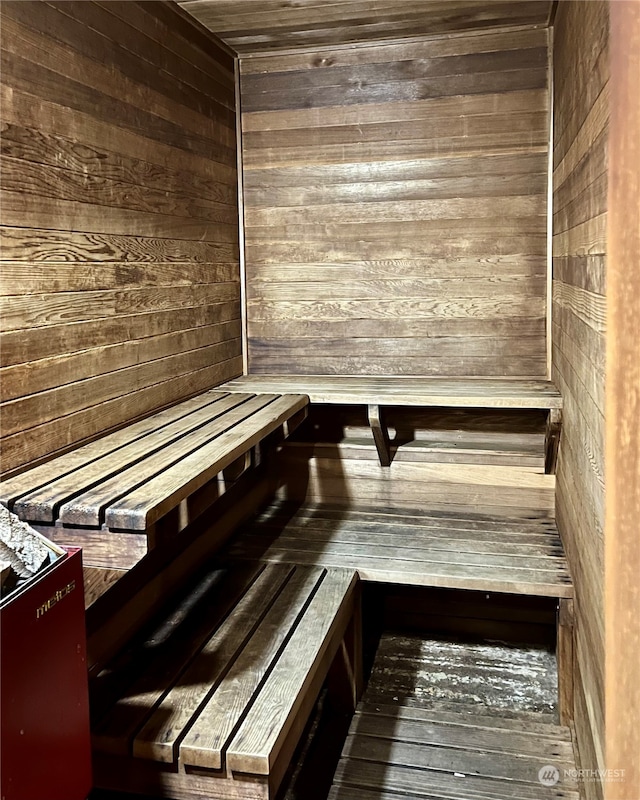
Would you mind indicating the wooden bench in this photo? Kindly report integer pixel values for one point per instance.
(117, 496)
(378, 392)
(467, 548)
(462, 549)
(212, 702)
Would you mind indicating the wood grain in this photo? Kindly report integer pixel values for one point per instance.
(623, 392)
(417, 751)
(119, 235)
(269, 26)
(236, 665)
(378, 188)
(408, 391)
(131, 479)
(464, 548)
(207, 740)
(581, 112)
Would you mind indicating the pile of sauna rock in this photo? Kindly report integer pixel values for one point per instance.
(23, 553)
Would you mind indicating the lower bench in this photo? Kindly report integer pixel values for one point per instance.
(213, 701)
(467, 547)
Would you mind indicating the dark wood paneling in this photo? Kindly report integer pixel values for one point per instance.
(263, 26)
(120, 275)
(581, 112)
(623, 408)
(395, 208)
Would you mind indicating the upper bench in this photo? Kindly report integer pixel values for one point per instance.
(129, 480)
(402, 391)
(374, 392)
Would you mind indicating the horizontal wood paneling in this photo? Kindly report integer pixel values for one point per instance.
(262, 26)
(581, 111)
(395, 208)
(120, 275)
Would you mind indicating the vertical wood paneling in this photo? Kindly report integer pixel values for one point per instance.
(120, 273)
(581, 110)
(623, 408)
(395, 202)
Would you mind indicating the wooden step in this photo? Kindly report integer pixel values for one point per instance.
(217, 708)
(463, 548)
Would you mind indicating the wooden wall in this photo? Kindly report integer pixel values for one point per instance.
(262, 26)
(623, 408)
(120, 281)
(395, 201)
(581, 112)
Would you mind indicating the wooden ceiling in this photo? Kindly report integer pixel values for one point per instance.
(257, 26)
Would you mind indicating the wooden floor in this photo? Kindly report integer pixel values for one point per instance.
(455, 720)
(460, 549)
(393, 753)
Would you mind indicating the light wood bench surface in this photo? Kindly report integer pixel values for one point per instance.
(463, 548)
(378, 392)
(402, 391)
(131, 479)
(213, 702)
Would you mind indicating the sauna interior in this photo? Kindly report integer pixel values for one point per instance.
(320, 338)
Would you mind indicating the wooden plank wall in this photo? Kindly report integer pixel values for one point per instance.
(623, 408)
(395, 201)
(120, 281)
(261, 26)
(581, 113)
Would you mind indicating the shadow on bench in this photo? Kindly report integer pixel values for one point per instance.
(213, 701)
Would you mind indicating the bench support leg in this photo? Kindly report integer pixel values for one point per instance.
(564, 655)
(552, 440)
(345, 679)
(380, 435)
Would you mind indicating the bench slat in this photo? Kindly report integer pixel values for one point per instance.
(382, 569)
(274, 614)
(112, 468)
(257, 743)
(549, 567)
(452, 548)
(400, 750)
(459, 518)
(12, 488)
(392, 780)
(88, 507)
(408, 391)
(206, 667)
(505, 766)
(145, 672)
(206, 741)
(431, 535)
(145, 505)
